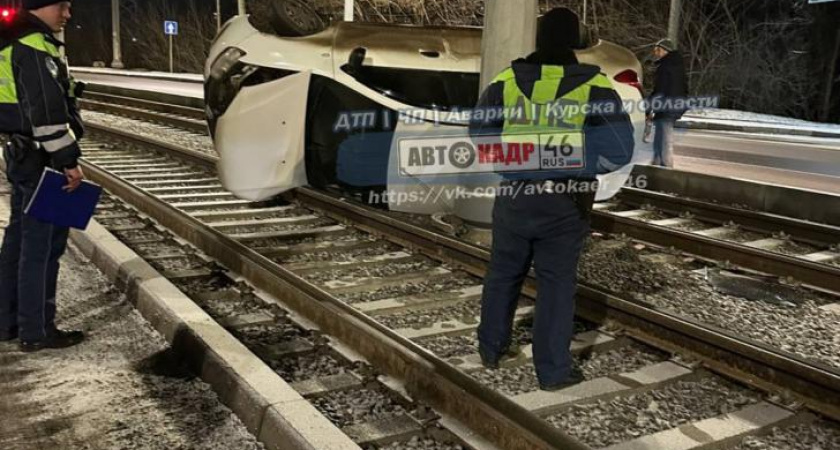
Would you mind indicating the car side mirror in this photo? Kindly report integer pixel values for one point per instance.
(357, 59)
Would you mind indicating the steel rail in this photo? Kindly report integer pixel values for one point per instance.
(722, 350)
(169, 108)
(803, 230)
(426, 376)
(809, 272)
(185, 123)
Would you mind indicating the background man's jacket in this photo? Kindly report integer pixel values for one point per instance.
(670, 83)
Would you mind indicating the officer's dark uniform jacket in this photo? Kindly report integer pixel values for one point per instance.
(38, 108)
(541, 79)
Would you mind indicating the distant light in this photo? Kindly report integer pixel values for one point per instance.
(6, 13)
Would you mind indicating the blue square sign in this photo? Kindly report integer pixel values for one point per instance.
(170, 28)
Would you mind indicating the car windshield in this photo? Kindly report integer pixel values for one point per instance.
(428, 89)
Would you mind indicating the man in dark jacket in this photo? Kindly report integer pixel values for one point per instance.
(549, 225)
(670, 87)
(38, 111)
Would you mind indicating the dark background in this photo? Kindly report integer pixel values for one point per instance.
(768, 56)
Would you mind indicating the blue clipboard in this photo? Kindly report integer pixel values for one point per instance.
(52, 204)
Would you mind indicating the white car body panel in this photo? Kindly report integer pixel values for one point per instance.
(254, 165)
(324, 54)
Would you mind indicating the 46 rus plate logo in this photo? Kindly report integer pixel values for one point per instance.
(492, 154)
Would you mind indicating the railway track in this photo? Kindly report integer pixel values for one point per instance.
(167, 114)
(347, 255)
(804, 250)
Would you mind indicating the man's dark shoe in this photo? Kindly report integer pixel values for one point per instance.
(575, 377)
(54, 339)
(493, 363)
(8, 335)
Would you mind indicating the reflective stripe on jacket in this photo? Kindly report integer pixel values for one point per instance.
(574, 101)
(35, 91)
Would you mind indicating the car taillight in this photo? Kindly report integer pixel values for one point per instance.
(7, 14)
(630, 77)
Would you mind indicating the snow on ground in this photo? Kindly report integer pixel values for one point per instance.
(193, 77)
(119, 390)
(750, 119)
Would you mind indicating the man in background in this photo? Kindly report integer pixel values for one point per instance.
(670, 84)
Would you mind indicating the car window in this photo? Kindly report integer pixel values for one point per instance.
(430, 89)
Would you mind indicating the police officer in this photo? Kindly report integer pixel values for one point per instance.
(39, 114)
(670, 84)
(547, 226)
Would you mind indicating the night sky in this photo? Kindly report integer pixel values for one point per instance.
(88, 35)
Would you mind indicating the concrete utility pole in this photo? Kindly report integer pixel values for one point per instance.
(349, 10)
(115, 33)
(585, 9)
(241, 7)
(510, 32)
(218, 15)
(830, 81)
(674, 21)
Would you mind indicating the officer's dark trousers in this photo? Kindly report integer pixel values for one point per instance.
(29, 263)
(549, 230)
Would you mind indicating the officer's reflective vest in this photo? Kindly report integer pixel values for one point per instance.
(543, 117)
(10, 119)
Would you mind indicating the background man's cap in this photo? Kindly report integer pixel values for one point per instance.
(38, 4)
(667, 44)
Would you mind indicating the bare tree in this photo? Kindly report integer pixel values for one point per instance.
(148, 47)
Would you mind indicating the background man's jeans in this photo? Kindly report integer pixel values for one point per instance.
(29, 263)
(663, 143)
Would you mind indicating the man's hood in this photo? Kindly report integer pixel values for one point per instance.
(574, 75)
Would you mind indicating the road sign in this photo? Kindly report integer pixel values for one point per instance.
(170, 28)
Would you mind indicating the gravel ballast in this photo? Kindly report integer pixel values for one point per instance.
(604, 423)
(520, 379)
(384, 269)
(345, 408)
(419, 443)
(803, 328)
(182, 138)
(438, 284)
(464, 312)
(820, 435)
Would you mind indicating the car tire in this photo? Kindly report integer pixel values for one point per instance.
(294, 18)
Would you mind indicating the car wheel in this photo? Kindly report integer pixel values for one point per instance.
(295, 18)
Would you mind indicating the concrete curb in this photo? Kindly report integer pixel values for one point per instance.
(270, 409)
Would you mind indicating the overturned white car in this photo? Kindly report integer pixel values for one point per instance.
(326, 108)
